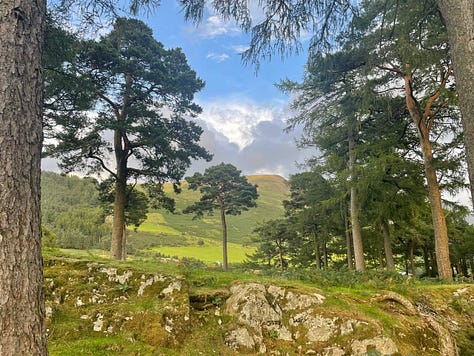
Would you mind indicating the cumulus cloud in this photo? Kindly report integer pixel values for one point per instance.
(214, 26)
(217, 57)
(251, 137)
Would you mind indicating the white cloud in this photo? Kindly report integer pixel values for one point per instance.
(239, 48)
(217, 57)
(214, 26)
(236, 119)
(250, 136)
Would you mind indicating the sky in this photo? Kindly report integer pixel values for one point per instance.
(244, 113)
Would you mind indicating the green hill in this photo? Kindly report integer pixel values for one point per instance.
(67, 198)
(168, 230)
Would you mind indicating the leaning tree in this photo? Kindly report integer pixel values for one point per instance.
(137, 126)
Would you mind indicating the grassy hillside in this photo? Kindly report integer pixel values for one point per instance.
(272, 190)
(175, 234)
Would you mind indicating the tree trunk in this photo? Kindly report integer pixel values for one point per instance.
(124, 243)
(317, 251)
(355, 222)
(116, 244)
(459, 18)
(224, 241)
(120, 201)
(325, 255)
(387, 246)
(434, 195)
(350, 265)
(21, 100)
(439, 222)
(426, 262)
(280, 255)
(411, 255)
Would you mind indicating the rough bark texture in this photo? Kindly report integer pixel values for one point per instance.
(387, 246)
(224, 241)
(420, 117)
(459, 18)
(117, 243)
(21, 101)
(355, 223)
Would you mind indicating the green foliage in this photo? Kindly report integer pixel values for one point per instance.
(136, 207)
(71, 211)
(222, 188)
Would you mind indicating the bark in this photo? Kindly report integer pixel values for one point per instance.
(411, 254)
(355, 222)
(387, 246)
(422, 119)
(350, 265)
(459, 19)
(317, 251)
(124, 243)
(280, 255)
(121, 151)
(224, 241)
(120, 201)
(21, 100)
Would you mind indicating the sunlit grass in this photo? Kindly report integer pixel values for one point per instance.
(208, 253)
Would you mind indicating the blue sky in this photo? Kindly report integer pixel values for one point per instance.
(243, 112)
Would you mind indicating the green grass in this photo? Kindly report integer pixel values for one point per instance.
(208, 253)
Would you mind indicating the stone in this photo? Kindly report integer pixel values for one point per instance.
(240, 338)
(383, 344)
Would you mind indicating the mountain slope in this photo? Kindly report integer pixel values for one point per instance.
(171, 228)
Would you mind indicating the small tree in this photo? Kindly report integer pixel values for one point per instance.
(224, 189)
(273, 239)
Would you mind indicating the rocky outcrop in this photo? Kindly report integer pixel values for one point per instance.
(279, 314)
(92, 300)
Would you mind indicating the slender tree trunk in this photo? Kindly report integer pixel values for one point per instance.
(355, 222)
(420, 118)
(459, 18)
(22, 309)
(317, 251)
(325, 255)
(280, 255)
(387, 245)
(224, 241)
(350, 265)
(426, 261)
(411, 255)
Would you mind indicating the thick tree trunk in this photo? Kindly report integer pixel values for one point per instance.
(224, 241)
(459, 18)
(21, 100)
(124, 243)
(439, 221)
(387, 245)
(355, 221)
(116, 244)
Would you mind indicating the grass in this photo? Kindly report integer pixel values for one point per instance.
(208, 253)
